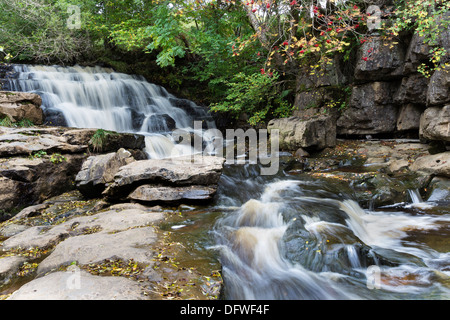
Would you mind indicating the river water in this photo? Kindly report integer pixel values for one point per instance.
(281, 236)
(298, 237)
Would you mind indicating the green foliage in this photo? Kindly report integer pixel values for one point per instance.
(38, 30)
(256, 95)
(57, 158)
(24, 123)
(38, 154)
(99, 139)
(6, 122)
(429, 19)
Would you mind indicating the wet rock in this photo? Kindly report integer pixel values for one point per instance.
(318, 132)
(435, 123)
(160, 123)
(75, 284)
(54, 117)
(8, 267)
(19, 106)
(438, 189)
(301, 153)
(97, 171)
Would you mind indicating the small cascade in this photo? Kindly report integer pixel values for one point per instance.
(291, 239)
(95, 97)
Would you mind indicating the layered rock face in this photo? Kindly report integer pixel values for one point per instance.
(386, 94)
(118, 176)
(21, 106)
(38, 163)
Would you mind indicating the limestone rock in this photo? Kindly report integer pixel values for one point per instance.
(435, 123)
(413, 89)
(99, 170)
(418, 51)
(436, 164)
(317, 132)
(181, 171)
(76, 284)
(167, 194)
(96, 247)
(25, 142)
(20, 106)
(8, 267)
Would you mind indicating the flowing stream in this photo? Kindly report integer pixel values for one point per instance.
(277, 237)
(298, 237)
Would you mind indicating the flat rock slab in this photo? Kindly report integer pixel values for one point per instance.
(105, 222)
(182, 171)
(9, 266)
(97, 247)
(75, 284)
(161, 193)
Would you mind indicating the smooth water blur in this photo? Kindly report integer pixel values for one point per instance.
(94, 97)
(298, 237)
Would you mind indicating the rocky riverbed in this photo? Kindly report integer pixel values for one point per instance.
(115, 245)
(85, 214)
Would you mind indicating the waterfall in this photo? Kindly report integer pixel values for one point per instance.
(95, 97)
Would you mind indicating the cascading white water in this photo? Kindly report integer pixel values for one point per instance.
(288, 242)
(94, 97)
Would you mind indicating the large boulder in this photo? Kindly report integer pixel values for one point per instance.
(436, 164)
(181, 171)
(19, 106)
(149, 193)
(317, 132)
(371, 110)
(97, 171)
(435, 123)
